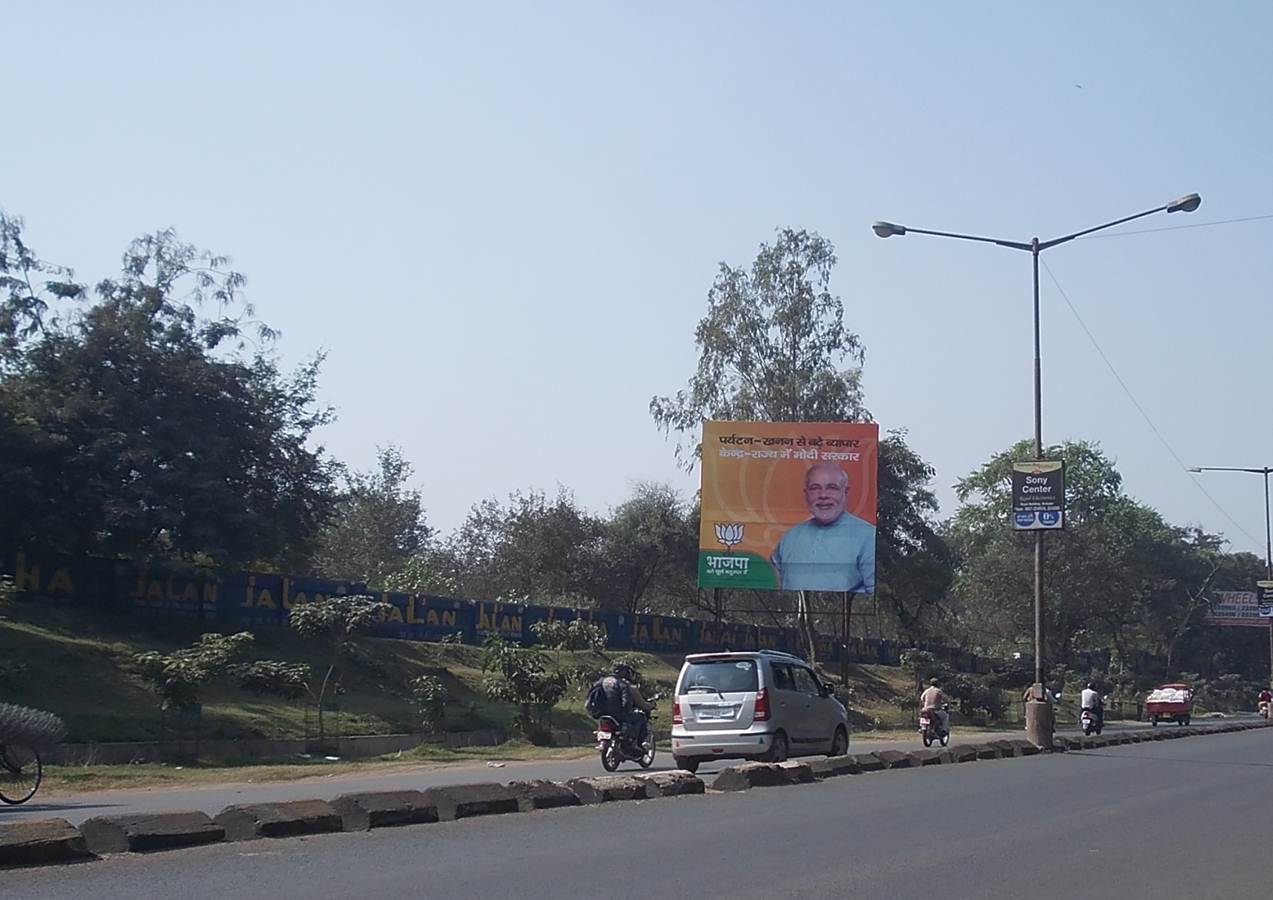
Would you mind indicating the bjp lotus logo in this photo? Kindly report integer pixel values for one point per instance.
(729, 533)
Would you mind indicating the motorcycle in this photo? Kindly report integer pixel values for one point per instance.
(1090, 722)
(930, 728)
(1264, 709)
(617, 746)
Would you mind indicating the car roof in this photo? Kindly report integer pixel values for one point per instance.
(776, 655)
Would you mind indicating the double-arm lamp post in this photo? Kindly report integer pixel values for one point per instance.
(1268, 533)
(1034, 247)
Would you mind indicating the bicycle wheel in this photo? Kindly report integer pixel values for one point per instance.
(20, 773)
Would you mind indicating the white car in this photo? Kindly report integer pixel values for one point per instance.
(761, 705)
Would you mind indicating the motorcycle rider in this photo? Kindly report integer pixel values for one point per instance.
(1090, 699)
(627, 706)
(1265, 699)
(934, 701)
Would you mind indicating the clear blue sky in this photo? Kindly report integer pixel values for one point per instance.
(501, 220)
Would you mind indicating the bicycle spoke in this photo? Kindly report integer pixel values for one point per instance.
(20, 773)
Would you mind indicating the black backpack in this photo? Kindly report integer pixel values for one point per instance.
(597, 704)
(602, 702)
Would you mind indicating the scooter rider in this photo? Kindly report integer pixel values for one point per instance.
(629, 708)
(1090, 699)
(934, 701)
(1265, 699)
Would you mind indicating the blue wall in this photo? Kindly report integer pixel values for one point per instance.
(246, 599)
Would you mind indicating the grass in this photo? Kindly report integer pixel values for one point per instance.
(74, 779)
(78, 663)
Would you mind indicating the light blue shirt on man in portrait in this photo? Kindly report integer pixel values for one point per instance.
(833, 550)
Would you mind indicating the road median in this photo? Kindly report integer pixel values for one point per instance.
(54, 840)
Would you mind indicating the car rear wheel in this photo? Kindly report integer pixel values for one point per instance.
(779, 749)
(839, 743)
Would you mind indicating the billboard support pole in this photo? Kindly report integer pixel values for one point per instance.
(847, 607)
(1268, 561)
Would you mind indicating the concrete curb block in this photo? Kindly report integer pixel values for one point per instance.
(144, 832)
(834, 766)
(248, 822)
(928, 757)
(384, 809)
(869, 762)
(41, 841)
(896, 759)
(962, 753)
(541, 794)
(758, 774)
(607, 788)
(676, 783)
(462, 801)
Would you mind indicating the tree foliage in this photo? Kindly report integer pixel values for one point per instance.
(524, 676)
(178, 678)
(773, 347)
(1118, 577)
(152, 420)
(378, 526)
(331, 622)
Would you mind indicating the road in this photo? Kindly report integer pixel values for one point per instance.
(1178, 819)
(212, 798)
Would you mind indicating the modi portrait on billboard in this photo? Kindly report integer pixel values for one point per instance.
(789, 506)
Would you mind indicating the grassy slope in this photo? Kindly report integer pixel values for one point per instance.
(78, 664)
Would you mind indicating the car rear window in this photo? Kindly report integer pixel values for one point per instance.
(728, 676)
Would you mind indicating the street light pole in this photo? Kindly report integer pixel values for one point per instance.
(1034, 247)
(1268, 532)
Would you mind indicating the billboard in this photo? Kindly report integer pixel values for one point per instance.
(1235, 608)
(1038, 495)
(789, 506)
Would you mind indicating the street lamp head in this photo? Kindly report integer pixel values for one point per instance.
(1193, 468)
(887, 229)
(1187, 203)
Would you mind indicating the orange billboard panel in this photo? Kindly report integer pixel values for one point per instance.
(789, 505)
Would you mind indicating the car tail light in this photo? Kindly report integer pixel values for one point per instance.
(762, 706)
(677, 718)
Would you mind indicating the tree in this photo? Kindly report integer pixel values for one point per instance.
(430, 695)
(648, 552)
(534, 550)
(773, 346)
(135, 425)
(179, 677)
(522, 675)
(332, 622)
(378, 526)
(1119, 575)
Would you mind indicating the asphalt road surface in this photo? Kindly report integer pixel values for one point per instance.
(1165, 819)
(212, 798)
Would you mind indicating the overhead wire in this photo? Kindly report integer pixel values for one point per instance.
(1136, 403)
(1111, 234)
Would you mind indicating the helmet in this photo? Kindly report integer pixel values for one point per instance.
(933, 681)
(622, 670)
(1091, 685)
